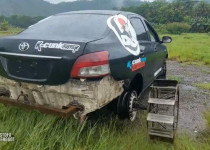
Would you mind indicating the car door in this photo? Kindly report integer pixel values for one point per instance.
(146, 48)
(158, 50)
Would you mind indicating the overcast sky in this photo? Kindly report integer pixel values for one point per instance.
(58, 1)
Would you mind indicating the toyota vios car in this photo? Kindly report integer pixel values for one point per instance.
(83, 59)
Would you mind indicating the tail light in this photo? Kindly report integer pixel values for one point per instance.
(91, 65)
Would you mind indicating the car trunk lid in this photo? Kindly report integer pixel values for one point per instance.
(40, 61)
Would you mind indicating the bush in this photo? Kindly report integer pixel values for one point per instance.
(160, 28)
(4, 25)
(201, 25)
(177, 28)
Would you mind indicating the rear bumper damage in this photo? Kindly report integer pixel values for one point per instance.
(76, 96)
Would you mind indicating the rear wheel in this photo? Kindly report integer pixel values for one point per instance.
(125, 105)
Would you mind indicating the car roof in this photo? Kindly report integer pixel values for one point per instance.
(105, 12)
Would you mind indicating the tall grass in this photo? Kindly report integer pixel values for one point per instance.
(33, 130)
(190, 47)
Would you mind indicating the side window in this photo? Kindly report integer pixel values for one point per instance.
(152, 34)
(139, 28)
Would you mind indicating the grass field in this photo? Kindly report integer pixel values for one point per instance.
(35, 131)
(190, 47)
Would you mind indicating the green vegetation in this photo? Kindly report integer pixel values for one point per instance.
(203, 85)
(160, 13)
(177, 28)
(20, 21)
(179, 79)
(191, 47)
(42, 8)
(10, 31)
(33, 131)
(4, 25)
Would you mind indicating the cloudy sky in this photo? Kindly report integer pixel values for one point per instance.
(58, 1)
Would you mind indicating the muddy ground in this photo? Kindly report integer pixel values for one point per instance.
(193, 100)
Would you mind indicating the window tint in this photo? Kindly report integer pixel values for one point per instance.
(139, 28)
(153, 36)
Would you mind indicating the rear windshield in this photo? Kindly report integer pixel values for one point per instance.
(73, 25)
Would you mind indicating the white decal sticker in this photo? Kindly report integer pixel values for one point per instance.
(157, 72)
(62, 46)
(125, 32)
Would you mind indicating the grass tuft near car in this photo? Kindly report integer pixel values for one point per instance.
(82, 58)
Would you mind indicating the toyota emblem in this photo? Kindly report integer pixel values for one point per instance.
(24, 46)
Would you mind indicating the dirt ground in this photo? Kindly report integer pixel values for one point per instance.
(193, 100)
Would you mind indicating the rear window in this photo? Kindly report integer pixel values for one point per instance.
(73, 25)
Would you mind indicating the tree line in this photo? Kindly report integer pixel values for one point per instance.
(17, 21)
(173, 17)
(190, 15)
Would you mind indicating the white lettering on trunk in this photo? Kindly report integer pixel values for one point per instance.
(62, 46)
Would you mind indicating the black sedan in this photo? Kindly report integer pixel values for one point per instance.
(87, 58)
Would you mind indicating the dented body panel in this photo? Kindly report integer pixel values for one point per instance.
(92, 95)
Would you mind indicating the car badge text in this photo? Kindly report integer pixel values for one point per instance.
(62, 46)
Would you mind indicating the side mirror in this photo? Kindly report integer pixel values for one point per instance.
(166, 39)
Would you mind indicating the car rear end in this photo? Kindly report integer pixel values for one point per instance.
(45, 65)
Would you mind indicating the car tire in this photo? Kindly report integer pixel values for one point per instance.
(125, 103)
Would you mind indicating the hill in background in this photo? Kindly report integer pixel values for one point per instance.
(43, 8)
